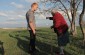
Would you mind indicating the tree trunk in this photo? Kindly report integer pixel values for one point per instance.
(81, 21)
(73, 13)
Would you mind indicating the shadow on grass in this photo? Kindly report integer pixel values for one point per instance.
(42, 48)
(78, 42)
(46, 49)
(1, 48)
(22, 44)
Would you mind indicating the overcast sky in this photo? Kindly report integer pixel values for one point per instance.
(12, 14)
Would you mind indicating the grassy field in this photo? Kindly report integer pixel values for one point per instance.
(16, 42)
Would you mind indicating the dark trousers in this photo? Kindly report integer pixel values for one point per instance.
(63, 40)
(32, 41)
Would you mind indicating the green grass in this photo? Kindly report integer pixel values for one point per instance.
(16, 42)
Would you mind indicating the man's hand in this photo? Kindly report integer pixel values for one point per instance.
(34, 32)
(51, 27)
(32, 27)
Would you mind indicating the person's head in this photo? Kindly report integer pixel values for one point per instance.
(34, 6)
(53, 11)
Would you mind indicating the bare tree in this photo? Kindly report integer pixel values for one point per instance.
(74, 4)
(72, 7)
(82, 25)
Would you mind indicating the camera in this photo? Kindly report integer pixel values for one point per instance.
(50, 18)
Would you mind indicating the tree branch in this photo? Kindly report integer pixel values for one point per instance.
(78, 5)
(66, 10)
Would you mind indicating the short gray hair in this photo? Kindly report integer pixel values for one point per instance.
(53, 11)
